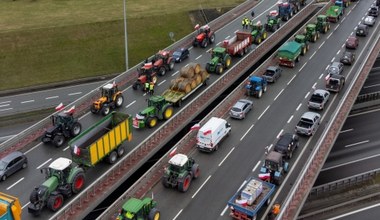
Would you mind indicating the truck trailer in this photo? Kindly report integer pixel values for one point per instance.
(289, 53)
(239, 44)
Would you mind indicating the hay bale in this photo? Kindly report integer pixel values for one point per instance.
(204, 75)
(175, 83)
(193, 83)
(198, 79)
(196, 66)
(184, 86)
(187, 72)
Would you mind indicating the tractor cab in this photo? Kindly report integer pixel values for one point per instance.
(310, 28)
(273, 15)
(218, 52)
(321, 18)
(161, 55)
(157, 101)
(274, 168)
(202, 29)
(146, 69)
(136, 209)
(179, 163)
(273, 161)
(300, 38)
(60, 168)
(108, 91)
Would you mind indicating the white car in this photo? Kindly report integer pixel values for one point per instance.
(369, 20)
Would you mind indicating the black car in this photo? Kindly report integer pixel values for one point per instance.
(287, 144)
(272, 73)
(181, 54)
(362, 30)
(348, 58)
(12, 163)
(373, 11)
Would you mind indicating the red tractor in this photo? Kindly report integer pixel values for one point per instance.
(145, 74)
(204, 36)
(163, 61)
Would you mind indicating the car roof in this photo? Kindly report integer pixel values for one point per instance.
(272, 68)
(362, 26)
(182, 49)
(352, 38)
(240, 103)
(310, 115)
(320, 91)
(335, 64)
(11, 156)
(285, 139)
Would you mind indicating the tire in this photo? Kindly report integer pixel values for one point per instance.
(112, 157)
(265, 89)
(184, 185)
(167, 112)
(260, 94)
(171, 65)
(76, 128)
(290, 155)
(4, 177)
(212, 39)
(59, 140)
(119, 101)
(45, 140)
(165, 182)
(78, 182)
(162, 71)
(204, 43)
(93, 110)
(154, 214)
(136, 86)
(154, 79)
(120, 151)
(33, 198)
(267, 203)
(298, 59)
(227, 62)
(265, 35)
(151, 122)
(208, 67)
(24, 165)
(106, 110)
(195, 170)
(219, 69)
(55, 202)
(216, 148)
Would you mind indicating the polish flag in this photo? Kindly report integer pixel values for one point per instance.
(173, 152)
(242, 202)
(114, 84)
(264, 176)
(71, 110)
(59, 107)
(207, 132)
(76, 150)
(197, 126)
(327, 77)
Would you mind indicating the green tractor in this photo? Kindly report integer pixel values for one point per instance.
(273, 21)
(180, 172)
(62, 181)
(136, 209)
(323, 25)
(259, 34)
(220, 60)
(311, 32)
(301, 39)
(158, 109)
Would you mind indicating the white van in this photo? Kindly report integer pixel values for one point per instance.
(210, 134)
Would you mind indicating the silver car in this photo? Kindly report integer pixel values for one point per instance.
(369, 20)
(318, 99)
(241, 108)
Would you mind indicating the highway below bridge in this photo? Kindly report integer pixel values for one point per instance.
(243, 151)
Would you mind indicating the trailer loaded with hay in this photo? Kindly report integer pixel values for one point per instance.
(191, 78)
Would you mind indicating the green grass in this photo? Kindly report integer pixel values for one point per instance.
(43, 41)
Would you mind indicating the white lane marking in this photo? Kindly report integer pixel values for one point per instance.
(201, 187)
(314, 85)
(245, 181)
(307, 94)
(5, 102)
(218, 43)
(15, 183)
(357, 143)
(4, 105)
(344, 131)
(291, 79)
(337, 53)
(162, 82)
(312, 55)
(175, 217)
(291, 117)
(224, 210)
(236, 31)
(350, 162)
(26, 152)
(130, 104)
(75, 93)
(32, 100)
(374, 85)
(125, 88)
(278, 94)
(279, 134)
(43, 164)
(320, 76)
(65, 149)
(26, 205)
(348, 13)
(7, 137)
(327, 67)
(321, 45)
(52, 97)
(80, 118)
(299, 106)
(355, 211)
(255, 167)
(360, 21)
(343, 45)
(6, 109)
(332, 60)
(187, 65)
(336, 27)
(175, 73)
(226, 156)
(198, 57)
(330, 35)
(363, 113)
(270, 147)
(263, 113)
(190, 47)
(208, 51)
(246, 132)
(227, 37)
(343, 19)
(302, 67)
(352, 33)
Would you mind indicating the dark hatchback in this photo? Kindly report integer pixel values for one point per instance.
(12, 163)
(181, 54)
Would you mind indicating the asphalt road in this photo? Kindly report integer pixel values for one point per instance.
(372, 84)
(369, 213)
(42, 155)
(356, 149)
(239, 157)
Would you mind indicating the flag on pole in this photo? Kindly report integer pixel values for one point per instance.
(264, 176)
(173, 152)
(207, 132)
(197, 126)
(76, 150)
(152, 196)
(59, 107)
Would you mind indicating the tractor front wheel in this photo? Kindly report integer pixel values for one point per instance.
(136, 86)
(59, 140)
(195, 170)
(219, 69)
(119, 101)
(76, 129)
(154, 214)
(184, 185)
(168, 112)
(171, 65)
(162, 71)
(78, 182)
(212, 38)
(93, 109)
(152, 122)
(204, 43)
(105, 110)
(227, 62)
(55, 202)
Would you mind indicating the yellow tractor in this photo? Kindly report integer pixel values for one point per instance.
(111, 98)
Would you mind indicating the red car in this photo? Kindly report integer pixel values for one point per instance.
(352, 42)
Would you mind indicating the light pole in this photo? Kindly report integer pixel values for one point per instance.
(125, 36)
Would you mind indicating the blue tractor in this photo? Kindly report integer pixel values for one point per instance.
(256, 86)
(274, 168)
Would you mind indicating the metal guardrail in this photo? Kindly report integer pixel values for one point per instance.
(125, 167)
(367, 97)
(309, 173)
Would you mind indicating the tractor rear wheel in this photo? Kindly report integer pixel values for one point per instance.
(112, 157)
(78, 182)
(212, 38)
(171, 65)
(265, 35)
(183, 185)
(167, 112)
(59, 140)
(151, 122)
(55, 202)
(106, 110)
(162, 71)
(265, 88)
(227, 61)
(260, 94)
(76, 128)
(204, 43)
(208, 67)
(154, 214)
(195, 170)
(119, 101)
(219, 69)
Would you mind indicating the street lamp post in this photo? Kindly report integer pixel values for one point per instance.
(125, 36)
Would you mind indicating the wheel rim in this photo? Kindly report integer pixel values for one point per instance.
(153, 122)
(119, 101)
(79, 182)
(57, 202)
(76, 130)
(60, 141)
(228, 62)
(197, 172)
(4, 177)
(24, 165)
(154, 79)
(186, 183)
(156, 216)
(168, 113)
(106, 111)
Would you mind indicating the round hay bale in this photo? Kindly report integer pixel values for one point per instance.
(175, 82)
(187, 72)
(204, 75)
(197, 67)
(184, 86)
(198, 79)
(193, 84)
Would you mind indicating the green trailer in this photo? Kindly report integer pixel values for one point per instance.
(102, 140)
(289, 53)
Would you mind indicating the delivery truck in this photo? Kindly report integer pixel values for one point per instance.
(212, 133)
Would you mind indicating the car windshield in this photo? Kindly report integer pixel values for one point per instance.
(177, 54)
(316, 98)
(2, 165)
(269, 73)
(333, 70)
